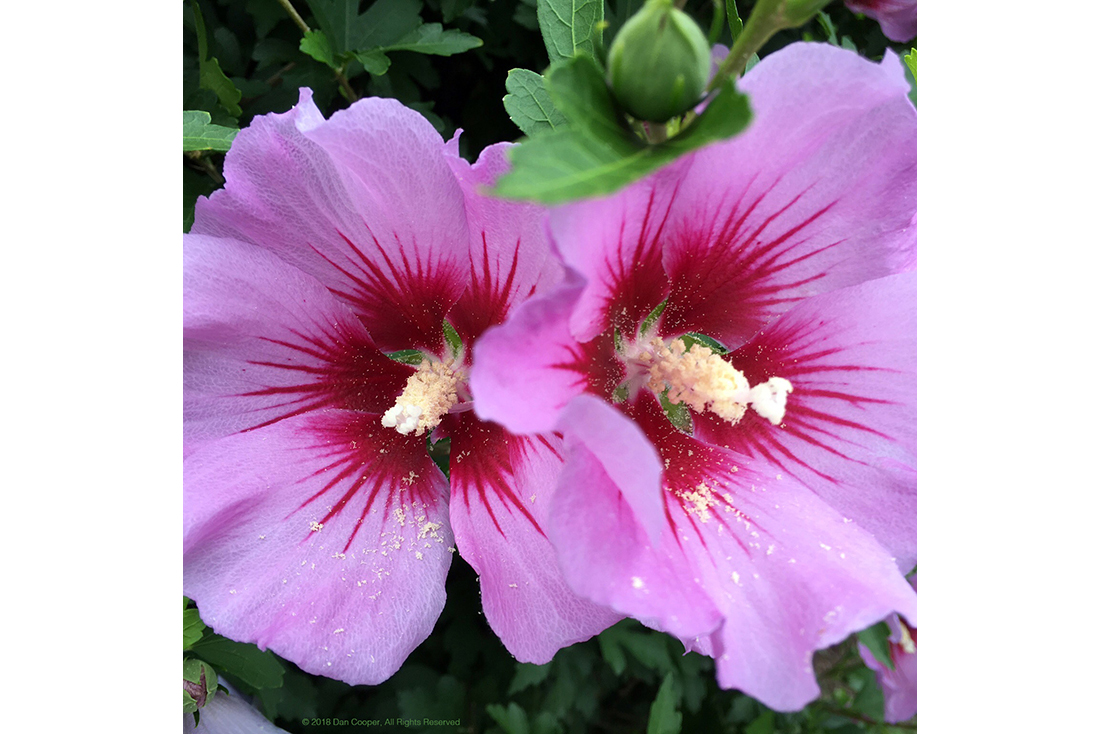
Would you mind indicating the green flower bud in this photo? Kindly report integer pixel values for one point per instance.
(659, 62)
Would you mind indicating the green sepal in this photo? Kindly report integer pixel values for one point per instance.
(692, 338)
(407, 356)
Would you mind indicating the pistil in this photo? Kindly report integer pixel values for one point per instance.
(429, 394)
(701, 379)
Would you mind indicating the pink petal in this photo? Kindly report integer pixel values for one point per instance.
(502, 487)
(344, 200)
(615, 244)
(323, 537)
(264, 341)
(818, 194)
(787, 573)
(898, 18)
(510, 254)
(608, 524)
(526, 371)
(849, 433)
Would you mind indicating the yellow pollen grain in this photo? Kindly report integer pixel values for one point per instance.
(699, 500)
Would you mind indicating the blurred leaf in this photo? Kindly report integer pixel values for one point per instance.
(316, 45)
(877, 639)
(195, 184)
(911, 61)
(595, 154)
(648, 647)
(529, 104)
(569, 26)
(451, 9)
(199, 134)
(257, 668)
(211, 75)
(192, 628)
(527, 675)
(664, 718)
(513, 720)
(762, 724)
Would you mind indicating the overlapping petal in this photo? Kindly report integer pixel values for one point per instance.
(323, 537)
(899, 685)
(365, 202)
(502, 487)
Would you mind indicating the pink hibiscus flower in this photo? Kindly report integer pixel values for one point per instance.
(898, 18)
(776, 515)
(315, 522)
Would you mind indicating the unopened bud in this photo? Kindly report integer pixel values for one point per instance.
(658, 63)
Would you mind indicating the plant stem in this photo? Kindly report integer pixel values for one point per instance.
(345, 86)
(766, 19)
(294, 14)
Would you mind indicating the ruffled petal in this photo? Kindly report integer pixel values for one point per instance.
(264, 341)
(898, 18)
(849, 432)
(526, 371)
(502, 487)
(819, 193)
(609, 525)
(510, 257)
(344, 200)
(788, 574)
(323, 537)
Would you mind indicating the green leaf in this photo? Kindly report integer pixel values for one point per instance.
(430, 38)
(595, 154)
(192, 628)
(211, 75)
(664, 718)
(529, 104)
(257, 668)
(195, 184)
(376, 61)
(877, 639)
(316, 45)
(911, 61)
(199, 134)
(569, 26)
(385, 22)
(762, 724)
(649, 648)
(513, 720)
(527, 675)
(734, 20)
